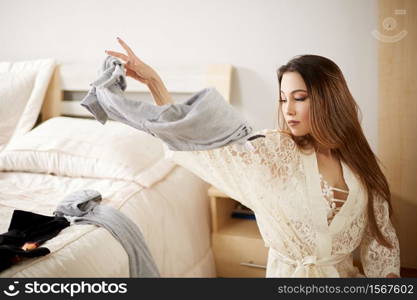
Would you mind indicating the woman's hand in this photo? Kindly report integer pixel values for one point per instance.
(135, 68)
(140, 71)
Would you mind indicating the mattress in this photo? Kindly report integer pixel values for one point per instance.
(172, 212)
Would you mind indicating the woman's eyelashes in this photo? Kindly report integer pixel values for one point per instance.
(296, 99)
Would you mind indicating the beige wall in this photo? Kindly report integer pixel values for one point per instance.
(255, 37)
(397, 137)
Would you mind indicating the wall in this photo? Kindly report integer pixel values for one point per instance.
(256, 37)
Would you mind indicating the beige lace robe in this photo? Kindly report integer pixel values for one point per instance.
(282, 186)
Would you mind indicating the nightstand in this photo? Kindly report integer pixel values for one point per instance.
(239, 250)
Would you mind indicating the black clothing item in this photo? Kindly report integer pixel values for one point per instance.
(255, 136)
(27, 227)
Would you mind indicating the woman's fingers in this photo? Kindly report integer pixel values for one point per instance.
(134, 75)
(135, 68)
(126, 47)
(117, 54)
(129, 58)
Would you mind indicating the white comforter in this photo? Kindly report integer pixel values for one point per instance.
(172, 211)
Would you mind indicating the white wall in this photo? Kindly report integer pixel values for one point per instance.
(256, 37)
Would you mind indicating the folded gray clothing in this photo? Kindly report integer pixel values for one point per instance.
(204, 121)
(82, 207)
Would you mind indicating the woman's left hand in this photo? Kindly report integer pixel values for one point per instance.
(135, 67)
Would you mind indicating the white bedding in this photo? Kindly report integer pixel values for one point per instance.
(167, 202)
(23, 86)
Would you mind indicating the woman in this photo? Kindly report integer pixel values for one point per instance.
(315, 185)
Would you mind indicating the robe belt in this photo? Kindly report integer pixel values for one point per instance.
(305, 266)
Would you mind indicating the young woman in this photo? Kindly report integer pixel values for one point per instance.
(314, 185)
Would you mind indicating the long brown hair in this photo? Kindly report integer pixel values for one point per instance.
(335, 124)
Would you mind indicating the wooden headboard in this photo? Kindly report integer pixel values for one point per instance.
(70, 83)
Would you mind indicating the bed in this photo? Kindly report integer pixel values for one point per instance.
(55, 147)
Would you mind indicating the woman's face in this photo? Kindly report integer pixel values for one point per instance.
(295, 103)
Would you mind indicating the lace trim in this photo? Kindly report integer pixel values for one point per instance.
(328, 195)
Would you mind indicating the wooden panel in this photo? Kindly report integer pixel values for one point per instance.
(77, 77)
(219, 76)
(72, 77)
(74, 108)
(51, 106)
(239, 250)
(221, 209)
(397, 148)
(231, 251)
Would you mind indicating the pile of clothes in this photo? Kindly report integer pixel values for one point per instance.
(28, 231)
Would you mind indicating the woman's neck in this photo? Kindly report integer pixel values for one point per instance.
(324, 151)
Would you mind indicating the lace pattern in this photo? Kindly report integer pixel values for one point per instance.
(348, 239)
(378, 260)
(328, 195)
(271, 180)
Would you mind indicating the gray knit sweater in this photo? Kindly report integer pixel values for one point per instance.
(204, 121)
(83, 207)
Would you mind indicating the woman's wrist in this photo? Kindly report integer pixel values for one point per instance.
(159, 91)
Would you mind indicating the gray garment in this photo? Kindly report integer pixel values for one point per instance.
(82, 207)
(204, 121)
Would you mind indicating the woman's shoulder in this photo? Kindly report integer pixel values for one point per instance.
(271, 140)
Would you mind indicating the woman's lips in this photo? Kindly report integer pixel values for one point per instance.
(293, 123)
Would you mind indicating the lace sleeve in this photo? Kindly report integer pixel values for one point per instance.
(242, 174)
(378, 260)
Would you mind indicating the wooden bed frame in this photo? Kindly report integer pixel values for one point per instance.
(77, 78)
